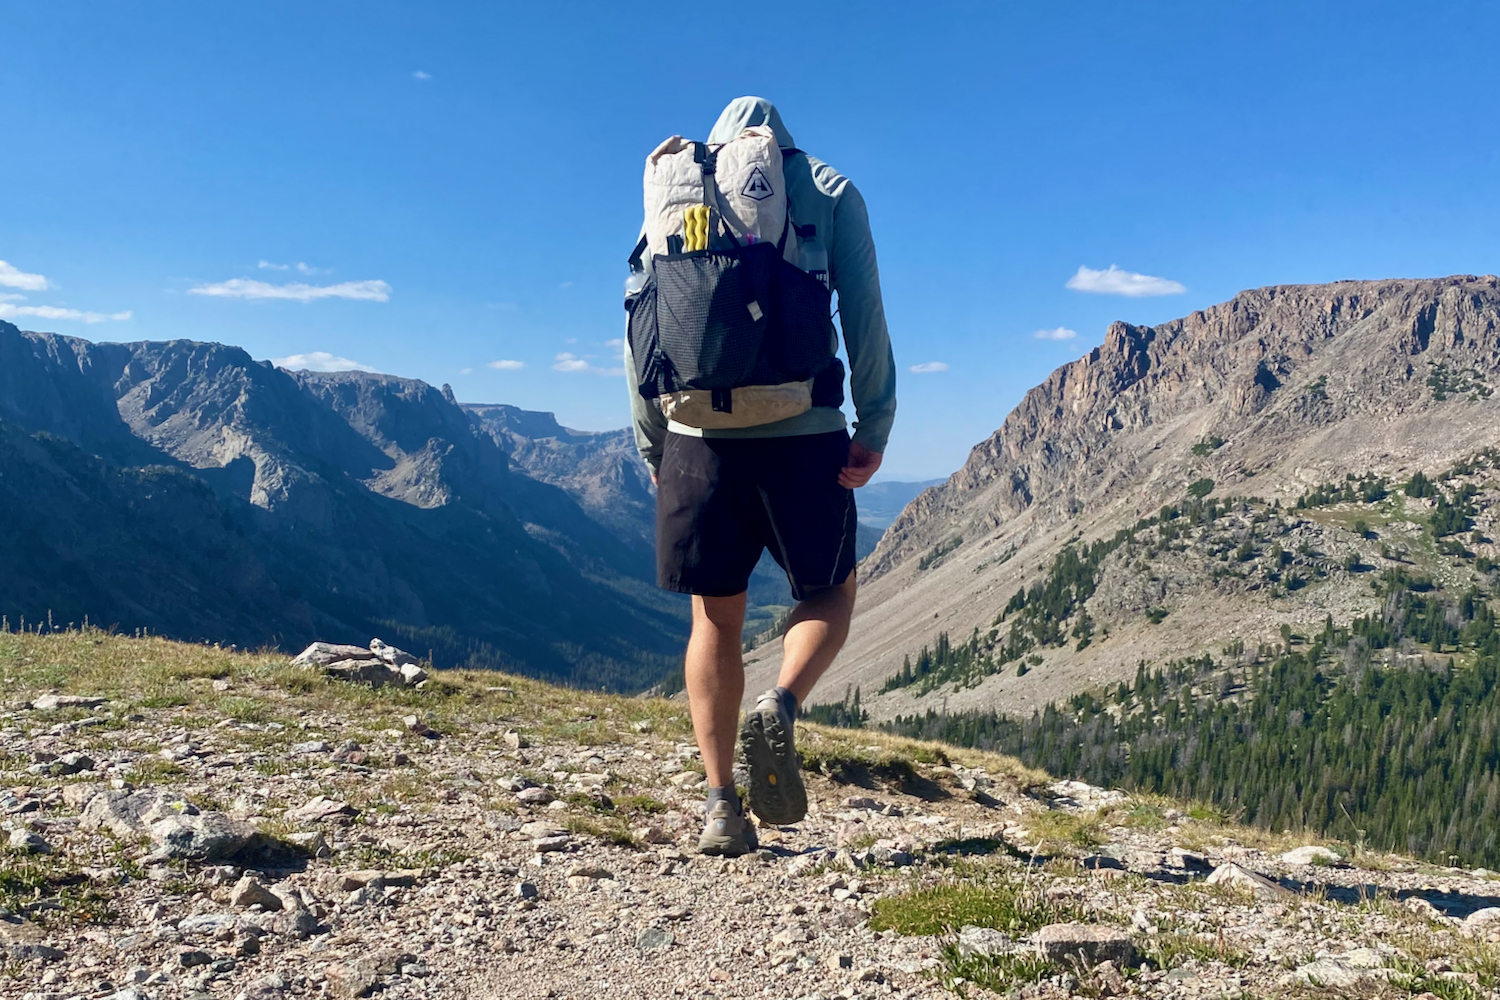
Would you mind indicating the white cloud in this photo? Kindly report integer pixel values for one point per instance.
(1056, 333)
(12, 297)
(8, 311)
(301, 266)
(465, 371)
(1114, 281)
(617, 343)
(421, 75)
(246, 288)
(928, 367)
(572, 363)
(508, 365)
(13, 277)
(320, 361)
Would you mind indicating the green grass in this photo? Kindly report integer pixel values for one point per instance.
(1172, 949)
(1005, 906)
(51, 892)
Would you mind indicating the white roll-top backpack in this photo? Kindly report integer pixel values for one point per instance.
(726, 329)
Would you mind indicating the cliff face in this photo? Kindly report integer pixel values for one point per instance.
(1268, 394)
(193, 491)
(1244, 370)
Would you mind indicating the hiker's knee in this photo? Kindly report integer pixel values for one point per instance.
(721, 613)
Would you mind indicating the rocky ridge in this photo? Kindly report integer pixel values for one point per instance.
(1264, 397)
(533, 841)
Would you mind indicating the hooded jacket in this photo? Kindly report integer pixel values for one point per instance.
(822, 196)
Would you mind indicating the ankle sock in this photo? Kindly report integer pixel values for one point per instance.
(788, 701)
(726, 793)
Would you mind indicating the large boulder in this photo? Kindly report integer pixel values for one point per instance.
(1085, 944)
(129, 814)
(377, 666)
(211, 836)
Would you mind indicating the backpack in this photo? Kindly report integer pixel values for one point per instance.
(725, 329)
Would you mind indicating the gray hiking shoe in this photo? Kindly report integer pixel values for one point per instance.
(726, 833)
(776, 791)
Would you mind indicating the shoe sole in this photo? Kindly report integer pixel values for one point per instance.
(777, 794)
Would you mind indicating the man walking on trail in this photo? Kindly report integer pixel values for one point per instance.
(727, 493)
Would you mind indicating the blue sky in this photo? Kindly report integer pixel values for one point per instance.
(460, 183)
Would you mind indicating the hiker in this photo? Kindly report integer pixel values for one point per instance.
(735, 395)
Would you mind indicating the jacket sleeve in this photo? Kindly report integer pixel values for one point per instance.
(649, 423)
(856, 278)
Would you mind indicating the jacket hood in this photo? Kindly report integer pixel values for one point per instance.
(744, 112)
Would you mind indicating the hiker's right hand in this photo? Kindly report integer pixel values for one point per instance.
(863, 463)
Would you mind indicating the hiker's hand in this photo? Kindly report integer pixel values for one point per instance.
(863, 464)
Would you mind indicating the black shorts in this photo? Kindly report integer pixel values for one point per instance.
(720, 501)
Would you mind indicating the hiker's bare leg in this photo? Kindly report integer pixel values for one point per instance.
(715, 674)
(814, 635)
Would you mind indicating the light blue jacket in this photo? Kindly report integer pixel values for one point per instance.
(823, 197)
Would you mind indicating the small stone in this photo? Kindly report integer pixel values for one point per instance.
(52, 702)
(250, 891)
(322, 809)
(417, 727)
(187, 958)
(534, 796)
(412, 675)
(686, 779)
(1231, 874)
(312, 746)
(541, 828)
(1179, 857)
(544, 845)
(72, 763)
(524, 890)
(310, 842)
(718, 975)
(1088, 944)
(837, 962)
(515, 740)
(1421, 907)
(1482, 917)
(211, 924)
(589, 871)
(862, 803)
(1311, 855)
(351, 980)
(1337, 972)
(974, 940)
(651, 835)
(24, 841)
(653, 939)
(644, 726)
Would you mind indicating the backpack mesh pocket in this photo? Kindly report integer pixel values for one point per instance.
(804, 341)
(712, 314)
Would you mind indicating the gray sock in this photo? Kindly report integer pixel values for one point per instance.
(727, 793)
(788, 702)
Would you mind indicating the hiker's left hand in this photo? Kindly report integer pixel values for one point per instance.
(863, 463)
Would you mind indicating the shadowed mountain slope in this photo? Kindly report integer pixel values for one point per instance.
(185, 488)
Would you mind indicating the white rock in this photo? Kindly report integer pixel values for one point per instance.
(1232, 874)
(1312, 854)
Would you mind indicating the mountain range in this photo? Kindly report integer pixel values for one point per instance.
(1055, 560)
(186, 489)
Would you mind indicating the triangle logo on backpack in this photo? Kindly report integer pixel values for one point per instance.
(758, 187)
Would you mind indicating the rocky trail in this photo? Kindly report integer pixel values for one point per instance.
(189, 822)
